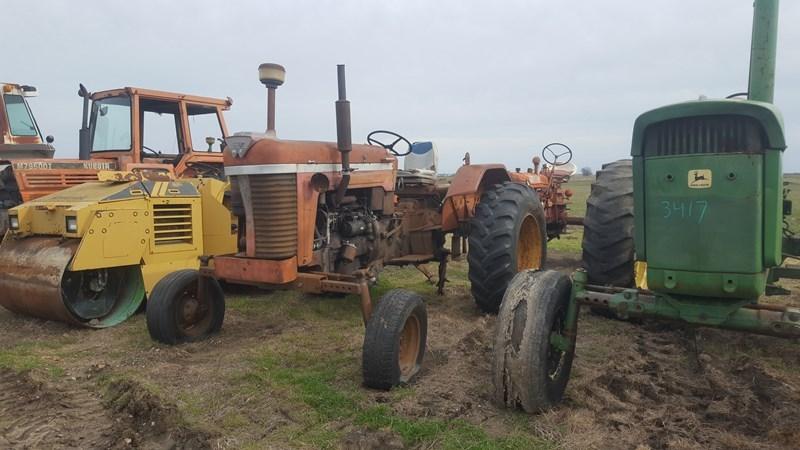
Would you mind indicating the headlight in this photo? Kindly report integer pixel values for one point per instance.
(72, 224)
(14, 222)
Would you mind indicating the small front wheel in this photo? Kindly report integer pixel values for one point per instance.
(180, 309)
(394, 341)
(533, 351)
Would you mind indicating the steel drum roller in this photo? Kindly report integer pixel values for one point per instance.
(35, 281)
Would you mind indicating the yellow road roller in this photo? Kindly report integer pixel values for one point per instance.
(89, 255)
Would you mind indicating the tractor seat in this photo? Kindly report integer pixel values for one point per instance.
(565, 171)
(419, 166)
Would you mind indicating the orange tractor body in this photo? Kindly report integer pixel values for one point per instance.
(326, 217)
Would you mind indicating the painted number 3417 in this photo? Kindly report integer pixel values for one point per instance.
(694, 210)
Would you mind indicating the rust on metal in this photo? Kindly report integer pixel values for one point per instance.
(252, 270)
(33, 269)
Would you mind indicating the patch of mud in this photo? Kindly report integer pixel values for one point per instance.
(149, 421)
(371, 440)
(453, 380)
(663, 392)
(34, 414)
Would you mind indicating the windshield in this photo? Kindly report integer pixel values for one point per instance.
(20, 120)
(111, 124)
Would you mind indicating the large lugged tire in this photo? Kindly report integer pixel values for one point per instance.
(528, 371)
(176, 313)
(507, 235)
(394, 341)
(608, 251)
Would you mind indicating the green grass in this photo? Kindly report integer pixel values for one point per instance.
(320, 383)
(35, 356)
(570, 242)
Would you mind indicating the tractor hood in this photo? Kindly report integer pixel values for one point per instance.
(764, 113)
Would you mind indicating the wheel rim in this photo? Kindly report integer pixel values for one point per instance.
(102, 297)
(192, 312)
(529, 245)
(556, 358)
(409, 347)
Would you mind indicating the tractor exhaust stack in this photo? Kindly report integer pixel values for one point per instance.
(272, 76)
(344, 135)
(761, 85)
(84, 146)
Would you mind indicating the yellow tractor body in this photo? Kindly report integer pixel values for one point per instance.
(90, 254)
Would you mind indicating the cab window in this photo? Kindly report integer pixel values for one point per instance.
(204, 128)
(20, 120)
(161, 127)
(111, 124)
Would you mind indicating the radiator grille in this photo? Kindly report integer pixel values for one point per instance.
(274, 209)
(172, 224)
(57, 179)
(705, 134)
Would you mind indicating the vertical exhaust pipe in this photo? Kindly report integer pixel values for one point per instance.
(344, 137)
(272, 76)
(761, 84)
(84, 146)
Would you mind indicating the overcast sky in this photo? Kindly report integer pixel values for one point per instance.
(497, 79)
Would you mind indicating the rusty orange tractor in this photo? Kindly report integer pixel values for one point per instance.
(128, 129)
(326, 217)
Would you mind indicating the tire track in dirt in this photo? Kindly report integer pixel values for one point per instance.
(666, 394)
(34, 414)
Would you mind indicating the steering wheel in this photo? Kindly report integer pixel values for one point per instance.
(151, 151)
(390, 147)
(551, 153)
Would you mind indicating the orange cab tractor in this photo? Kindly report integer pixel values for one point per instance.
(127, 129)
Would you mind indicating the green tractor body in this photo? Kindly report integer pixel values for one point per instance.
(707, 220)
(708, 197)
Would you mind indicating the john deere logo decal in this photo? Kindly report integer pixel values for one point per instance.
(700, 178)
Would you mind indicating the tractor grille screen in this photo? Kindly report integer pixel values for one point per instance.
(274, 209)
(704, 134)
(172, 224)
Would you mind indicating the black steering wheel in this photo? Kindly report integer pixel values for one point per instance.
(551, 153)
(390, 147)
(149, 150)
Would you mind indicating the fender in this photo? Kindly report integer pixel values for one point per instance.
(465, 192)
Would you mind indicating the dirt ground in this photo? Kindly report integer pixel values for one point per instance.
(285, 373)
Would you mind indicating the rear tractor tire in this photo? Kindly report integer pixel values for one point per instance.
(507, 235)
(532, 356)
(608, 250)
(176, 312)
(395, 339)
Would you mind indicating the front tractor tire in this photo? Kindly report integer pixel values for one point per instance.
(608, 250)
(395, 339)
(533, 351)
(507, 235)
(180, 310)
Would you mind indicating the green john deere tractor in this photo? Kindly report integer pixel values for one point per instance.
(701, 206)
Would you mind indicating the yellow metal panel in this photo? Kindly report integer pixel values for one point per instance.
(158, 268)
(219, 232)
(113, 239)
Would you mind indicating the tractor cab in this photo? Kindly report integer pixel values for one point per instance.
(20, 136)
(139, 127)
